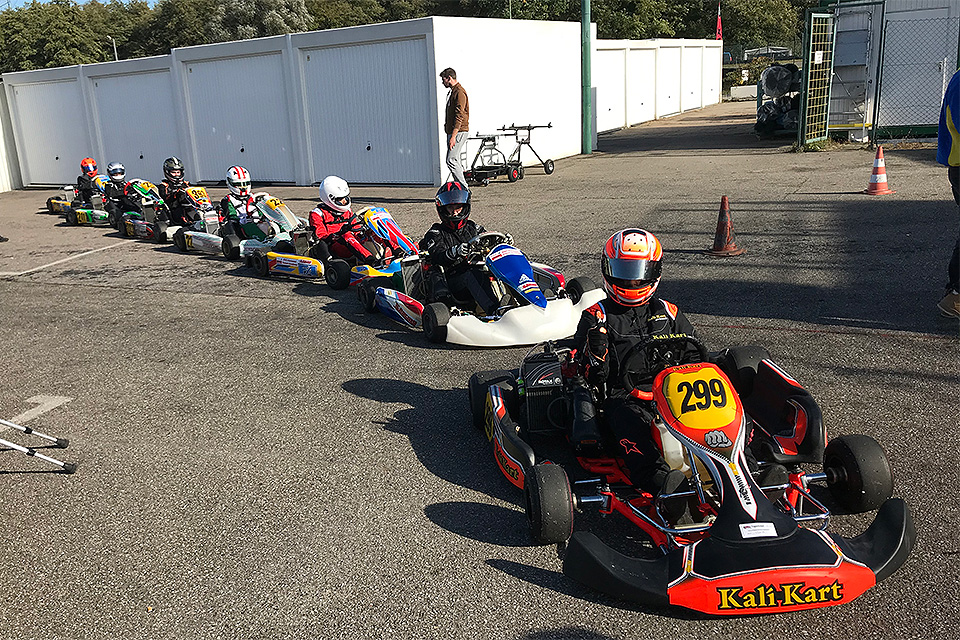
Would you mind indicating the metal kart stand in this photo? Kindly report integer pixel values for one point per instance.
(60, 443)
(522, 134)
(490, 162)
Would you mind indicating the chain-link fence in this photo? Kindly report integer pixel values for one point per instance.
(919, 58)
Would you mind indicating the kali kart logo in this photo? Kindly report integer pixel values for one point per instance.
(785, 595)
(717, 440)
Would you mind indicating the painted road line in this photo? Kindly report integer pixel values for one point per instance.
(47, 403)
(79, 255)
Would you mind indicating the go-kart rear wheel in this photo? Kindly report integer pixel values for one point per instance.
(180, 240)
(50, 205)
(337, 273)
(367, 294)
(549, 504)
(577, 287)
(435, 318)
(230, 247)
(548, 167)
(478, 386)
(858, 472)
(260, 264)
(122, 227)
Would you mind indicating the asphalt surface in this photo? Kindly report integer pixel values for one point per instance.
(261, 459)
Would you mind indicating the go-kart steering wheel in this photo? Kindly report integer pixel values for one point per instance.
(482, 244)
(648, 358)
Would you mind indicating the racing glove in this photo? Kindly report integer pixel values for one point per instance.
(458, 251)
(508, 238)
(597, 347)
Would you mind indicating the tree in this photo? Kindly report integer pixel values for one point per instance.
(42, 35)
(333, 14)
(243, 19)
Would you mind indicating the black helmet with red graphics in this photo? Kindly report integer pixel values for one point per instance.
(453, 204)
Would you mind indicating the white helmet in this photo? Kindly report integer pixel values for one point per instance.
(238, 181)
(116, 172)
(335, 193)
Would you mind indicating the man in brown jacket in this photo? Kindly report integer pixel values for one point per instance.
(457, 122)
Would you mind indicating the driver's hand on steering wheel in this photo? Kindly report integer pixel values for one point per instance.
(507, 238)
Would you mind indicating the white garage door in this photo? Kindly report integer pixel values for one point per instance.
(137, 121)
(368, 111)
(608, 76)
(238, 111)
(692, 78)
(668, 81)
(642, 85)
(53, 132)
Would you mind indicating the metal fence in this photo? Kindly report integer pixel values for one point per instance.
(919, 58)
(817, 73)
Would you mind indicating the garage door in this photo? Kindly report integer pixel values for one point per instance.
(608, 76)
(642, 85)
(53, 131)
(368, 112)
(668, 81)
(239, 115)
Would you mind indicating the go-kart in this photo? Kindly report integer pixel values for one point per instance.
(537, 303)
(376, 230)
(206, 233)
(368, 225)
(272, 227)
(76, 213)
(747, 549)
(150, 223)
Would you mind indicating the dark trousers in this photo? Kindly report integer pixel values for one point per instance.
(472, 283)
(953, 269)
(630, 422)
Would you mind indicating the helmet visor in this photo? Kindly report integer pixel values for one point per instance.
(454, 196)
(631, 274)
(342, 201)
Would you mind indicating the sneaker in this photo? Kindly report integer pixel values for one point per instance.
(949, 305)
(773, 475)
(674, 508)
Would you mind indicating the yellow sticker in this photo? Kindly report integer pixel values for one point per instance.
(700, 399)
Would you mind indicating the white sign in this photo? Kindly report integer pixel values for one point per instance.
(758, 530)
(818, 57)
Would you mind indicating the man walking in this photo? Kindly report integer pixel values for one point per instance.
(456, 123)
(948, 154)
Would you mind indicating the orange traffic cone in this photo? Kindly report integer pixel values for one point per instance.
(878, 181)
(725, 240)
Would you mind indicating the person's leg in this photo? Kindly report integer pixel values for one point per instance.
(630, 424)
(453, 158)
(478, 283)
(949, 305)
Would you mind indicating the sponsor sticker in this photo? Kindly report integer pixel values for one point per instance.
(504, 252)
(769, 596)
(758, 530)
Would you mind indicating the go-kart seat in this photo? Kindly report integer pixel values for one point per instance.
(788, 421)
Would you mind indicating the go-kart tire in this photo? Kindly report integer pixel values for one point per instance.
(284, 247)
(548, 167)
(548, 502)
(50, 205)
(337, 273)
(434, 320)
(230, 247)
(367, 294)
(260, 264)
(478, 386)
(72, 218)
(180, 240)
(513, 173)
(577, 287)
(122, 227)
(741, 364)
(858, 473)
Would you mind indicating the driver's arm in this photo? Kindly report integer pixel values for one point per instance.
(435, 245)
(592, 344)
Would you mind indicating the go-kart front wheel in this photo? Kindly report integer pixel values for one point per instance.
(230, 247)
(367, 294)
(180, 240)
(72, 218)
(858, 472)
(549, 504)
(260, 264)
(435, 318)
(337, 273)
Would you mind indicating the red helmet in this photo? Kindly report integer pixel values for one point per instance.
(453, 193)
(88, 166)
(631, 266)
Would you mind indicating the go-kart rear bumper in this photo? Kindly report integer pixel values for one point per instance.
(806, 570)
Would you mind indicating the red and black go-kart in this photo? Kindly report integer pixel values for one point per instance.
(740, 553)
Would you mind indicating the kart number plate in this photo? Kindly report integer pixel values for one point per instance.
(700, 399)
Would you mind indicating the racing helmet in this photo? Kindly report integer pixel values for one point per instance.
(335, 193)
(453, 193)
(238, 181)
(88, 166)
(173, 170)
(117, 172)
(631, 266)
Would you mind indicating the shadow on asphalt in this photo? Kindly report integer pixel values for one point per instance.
(487, 523)
(434, 419)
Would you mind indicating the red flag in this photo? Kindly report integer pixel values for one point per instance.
(719, 26)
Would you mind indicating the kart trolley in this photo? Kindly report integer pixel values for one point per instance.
(490, 161)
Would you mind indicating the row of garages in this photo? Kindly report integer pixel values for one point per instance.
(363, 102)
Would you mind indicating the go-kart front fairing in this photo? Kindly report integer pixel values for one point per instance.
(150, 223)
(205, 233)
(742, 553)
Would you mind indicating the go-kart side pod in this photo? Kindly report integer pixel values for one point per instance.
(286, 264)
(804, 569)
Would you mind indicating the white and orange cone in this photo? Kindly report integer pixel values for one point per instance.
(878, 181)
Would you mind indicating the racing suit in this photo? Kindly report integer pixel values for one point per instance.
(116, 200)
(237, 211)
(458, 276)
(606, 333)
(334, 233)
(180, 211)
(85, 189)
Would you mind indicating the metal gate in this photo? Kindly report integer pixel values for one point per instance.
(818, 40)
(919, 58)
